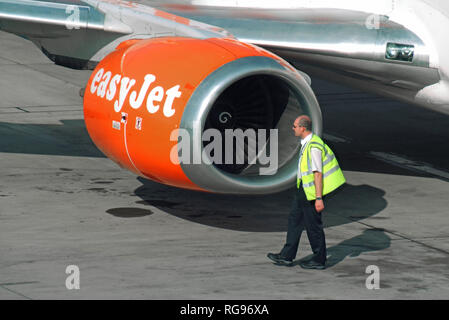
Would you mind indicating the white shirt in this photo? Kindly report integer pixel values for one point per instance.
(317, 163)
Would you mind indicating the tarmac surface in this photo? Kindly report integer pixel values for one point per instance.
(63, 203)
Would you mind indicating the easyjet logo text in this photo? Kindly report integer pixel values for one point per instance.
(119, 89)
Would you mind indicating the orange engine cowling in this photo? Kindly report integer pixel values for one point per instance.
(143, 94)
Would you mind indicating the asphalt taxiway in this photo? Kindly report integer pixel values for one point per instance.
(63, 203)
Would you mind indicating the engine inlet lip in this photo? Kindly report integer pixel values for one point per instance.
(197, 109)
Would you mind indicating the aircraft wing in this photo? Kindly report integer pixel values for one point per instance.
(359, 46)
(380, 47)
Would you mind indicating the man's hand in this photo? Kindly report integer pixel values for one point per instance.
(319, 205)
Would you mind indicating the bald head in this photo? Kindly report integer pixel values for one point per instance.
(302, 126)
(305, 121)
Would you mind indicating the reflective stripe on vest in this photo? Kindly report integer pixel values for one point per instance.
(327, 174)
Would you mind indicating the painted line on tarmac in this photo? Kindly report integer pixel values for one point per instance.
(15, 292)
(409, 164)
(398, 234)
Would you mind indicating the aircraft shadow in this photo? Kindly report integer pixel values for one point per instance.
(69, 139)
(267, 213)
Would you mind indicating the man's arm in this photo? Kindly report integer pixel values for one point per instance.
(318, 177)
(317, 167)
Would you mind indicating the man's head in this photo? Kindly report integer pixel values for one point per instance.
(302, 126)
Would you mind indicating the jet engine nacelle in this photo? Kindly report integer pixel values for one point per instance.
(153, 106)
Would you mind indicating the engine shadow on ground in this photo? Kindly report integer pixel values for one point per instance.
(267, 213)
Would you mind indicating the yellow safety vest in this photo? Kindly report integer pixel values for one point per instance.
(332, 174)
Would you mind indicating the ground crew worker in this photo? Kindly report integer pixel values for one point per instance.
(318, 175)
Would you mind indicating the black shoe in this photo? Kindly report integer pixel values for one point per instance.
(276, 257)
(312, 264)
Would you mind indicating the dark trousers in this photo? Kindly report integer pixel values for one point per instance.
(303, 215)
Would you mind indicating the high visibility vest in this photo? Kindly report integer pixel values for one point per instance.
(332, 174)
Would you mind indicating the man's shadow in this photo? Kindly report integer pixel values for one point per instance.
(369, 240)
